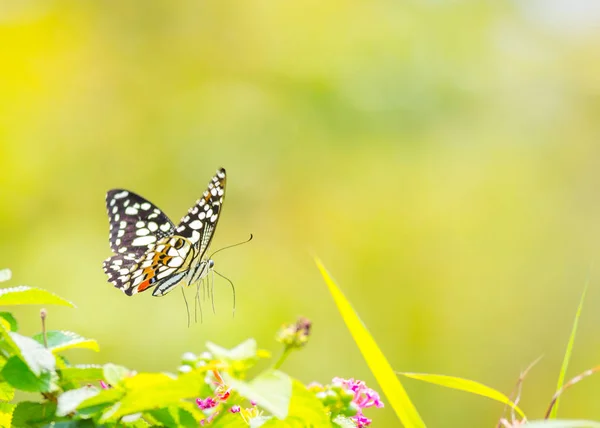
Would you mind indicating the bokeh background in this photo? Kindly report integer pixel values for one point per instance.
(442, 158)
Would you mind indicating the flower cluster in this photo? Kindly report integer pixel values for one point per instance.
(347, 398)
(295, 335)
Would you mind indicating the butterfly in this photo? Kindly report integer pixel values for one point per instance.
(150, 251)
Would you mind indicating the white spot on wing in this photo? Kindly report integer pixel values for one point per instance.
(152, 226)
(142, 232)
(196, 224)
(165, 227)
(131, 211)
(146, 206)
(175, 262)
(195, 236)
(122, 194)
(143, 240)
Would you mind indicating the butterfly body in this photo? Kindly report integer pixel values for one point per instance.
(150, 251)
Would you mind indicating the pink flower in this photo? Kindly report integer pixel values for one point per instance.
(235, 409)
(207, 403)
(364, 397)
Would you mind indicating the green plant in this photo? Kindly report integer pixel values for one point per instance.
(210, 388)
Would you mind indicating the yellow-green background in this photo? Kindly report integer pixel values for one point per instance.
(442, 158)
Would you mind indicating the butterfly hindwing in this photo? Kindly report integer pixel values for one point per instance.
(201, 220)
(135, 223)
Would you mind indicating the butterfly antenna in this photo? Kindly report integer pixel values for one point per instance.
(231, 246)
(187, 308)
(232, 289)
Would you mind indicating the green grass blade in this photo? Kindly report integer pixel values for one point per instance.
(567, 358)
(466, 385)
(380, 367)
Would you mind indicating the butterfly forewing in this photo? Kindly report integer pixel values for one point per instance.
(201, 220)
(135, 223)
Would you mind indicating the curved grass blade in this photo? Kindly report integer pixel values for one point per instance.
(569, 350)
(466, 385)
(379, 365)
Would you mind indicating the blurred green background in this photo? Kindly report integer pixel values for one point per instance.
(442, 158)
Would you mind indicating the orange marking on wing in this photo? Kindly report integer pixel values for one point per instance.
(144, 285)
(149, 273)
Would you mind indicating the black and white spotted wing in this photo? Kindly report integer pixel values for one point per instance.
(201, 220)
(135, 223)
(150, 250)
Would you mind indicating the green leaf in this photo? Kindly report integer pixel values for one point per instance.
(569, 350)
(146, 391)
(62, 340)
(344, 422)
(100, 402)
(114, 374)
(75, 424)
(81, 373)
(70, 400)
(465, 385)
(562, 423)
(11, 320)
(5, 275)
(379, 365)
(6, 412)
(20, 376)
(260, 421)
(30, 414)
(37, 357)
(305, 410)
(7, 392)
(174, 416)
(229, 420)
(25, 295)
(244, 351)
(271, 390)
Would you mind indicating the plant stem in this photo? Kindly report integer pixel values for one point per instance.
(282, 358)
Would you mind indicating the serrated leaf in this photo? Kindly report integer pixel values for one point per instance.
(20, 376)
(305, 410)
(271, 390)
(28, 414)
(37, 357)
(466, 385)
(7, 392)
(60, 340)
(5, 275)
(11, 321)
(70, 400)
(6, 411)
(243, 351)
(376, 360)
(25, 295)
(81, 373)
